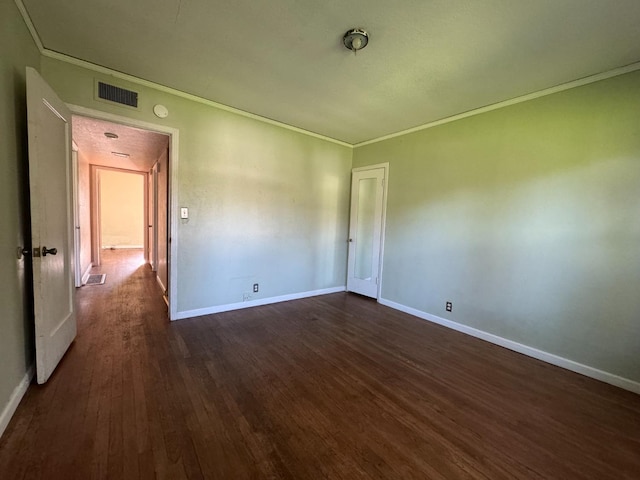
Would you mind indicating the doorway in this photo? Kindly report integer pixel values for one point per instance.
(119, 162)
(366, 229)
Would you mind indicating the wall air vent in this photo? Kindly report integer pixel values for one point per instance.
(117, 95)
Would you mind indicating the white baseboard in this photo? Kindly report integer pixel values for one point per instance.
(562, 362)
(255, 303)
(14, 399)
(87, 272)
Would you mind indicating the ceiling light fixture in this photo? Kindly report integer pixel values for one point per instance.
(110, 135)
(120, 154)
(355, 39)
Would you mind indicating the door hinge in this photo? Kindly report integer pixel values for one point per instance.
(376, 280)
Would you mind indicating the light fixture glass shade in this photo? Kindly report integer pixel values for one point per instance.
(355, 39)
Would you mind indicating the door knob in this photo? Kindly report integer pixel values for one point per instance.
(52, 251)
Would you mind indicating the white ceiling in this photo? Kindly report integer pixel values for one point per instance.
(144, 147)
(284, 60)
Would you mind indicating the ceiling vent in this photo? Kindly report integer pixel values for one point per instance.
(117, 95)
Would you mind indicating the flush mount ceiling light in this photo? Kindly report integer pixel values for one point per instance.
(355, 39)
(110, 135)
(120, 154)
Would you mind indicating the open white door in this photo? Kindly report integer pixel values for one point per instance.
(51, 193)
(365, 231)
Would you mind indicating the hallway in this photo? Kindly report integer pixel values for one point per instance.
(71, 426)
(334, 387)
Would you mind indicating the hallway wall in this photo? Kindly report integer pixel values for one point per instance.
(122, 209)
(84, 207)
(163, 205)
(17, 51)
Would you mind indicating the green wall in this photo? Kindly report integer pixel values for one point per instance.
(267, 205)
(17, 50)
(527, 218)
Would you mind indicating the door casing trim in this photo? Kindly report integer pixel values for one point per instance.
(383, 227)
(172, 212)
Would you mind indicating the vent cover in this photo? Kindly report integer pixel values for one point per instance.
(117, 94)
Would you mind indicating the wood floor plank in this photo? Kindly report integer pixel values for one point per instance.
(330, 387)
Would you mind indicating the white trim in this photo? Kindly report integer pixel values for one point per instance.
(174, 139)
(130, 78)
(523, 98)
(15, 398)
(178, 93)
(87, 272)
(255, 303)
(77, 236)
(547, 357)
(383, 226)
(128, 121)
(146, 83)
(384, 165)
(30, 26)
(383, 233)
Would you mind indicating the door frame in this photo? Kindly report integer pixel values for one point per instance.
(383, 226)
(76, 215)
(152, 214)
(172, 208)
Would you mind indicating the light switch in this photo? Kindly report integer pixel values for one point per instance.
(184, 212)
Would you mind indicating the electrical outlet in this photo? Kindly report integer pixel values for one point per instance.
(255, 288)
(449, 306)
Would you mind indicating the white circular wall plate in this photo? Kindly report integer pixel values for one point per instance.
(160, 111)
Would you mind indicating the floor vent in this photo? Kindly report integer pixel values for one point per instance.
(117, 95)
(97, 279)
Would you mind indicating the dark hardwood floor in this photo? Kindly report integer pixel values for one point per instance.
(331, 387)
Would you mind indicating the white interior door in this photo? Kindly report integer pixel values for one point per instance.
(52, 223)
(365, 231)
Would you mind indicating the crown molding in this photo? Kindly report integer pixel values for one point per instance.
(513, 101)
(156, 86)
(477, 111)
(179, 93)
(30, 26)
